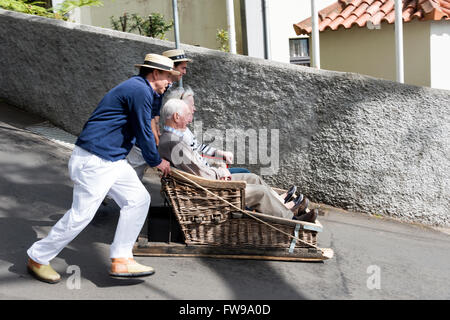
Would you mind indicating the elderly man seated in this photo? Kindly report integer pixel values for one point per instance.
(214, 156)
(258, 195)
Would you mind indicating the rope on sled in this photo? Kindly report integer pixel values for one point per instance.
(249, 213)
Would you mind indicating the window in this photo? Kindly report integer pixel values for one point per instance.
(299, 51)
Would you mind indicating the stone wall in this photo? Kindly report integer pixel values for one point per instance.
(347, 140)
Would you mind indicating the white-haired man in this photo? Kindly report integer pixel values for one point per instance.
(187, 95)
(258, 195)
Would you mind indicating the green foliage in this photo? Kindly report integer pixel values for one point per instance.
(153, 25)
(38, 8)
(26, 7)
(68, 5)
(122, 24)
(222, 37)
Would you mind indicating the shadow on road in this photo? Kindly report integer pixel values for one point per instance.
(29, 210)
(35, 192)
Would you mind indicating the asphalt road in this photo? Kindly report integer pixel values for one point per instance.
(375, 258)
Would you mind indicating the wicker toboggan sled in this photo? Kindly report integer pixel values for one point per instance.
(214, 223)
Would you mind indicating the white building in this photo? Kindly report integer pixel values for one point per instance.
(283, 43)
(263, 27)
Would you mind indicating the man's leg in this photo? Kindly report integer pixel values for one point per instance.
(252, 178)
(260, 195)
(260, 198)
(92, 177)
(134, 201)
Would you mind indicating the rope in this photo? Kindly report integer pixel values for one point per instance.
(177, 172)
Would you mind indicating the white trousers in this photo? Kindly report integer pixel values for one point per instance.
(94, 178)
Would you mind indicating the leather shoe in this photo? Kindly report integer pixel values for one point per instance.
(300, 205)
(43, 272)
(123, 267)
(309, 216)
(290, 194)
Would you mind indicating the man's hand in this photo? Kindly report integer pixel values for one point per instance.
(164, 167)
(224, 174)
(227, 156)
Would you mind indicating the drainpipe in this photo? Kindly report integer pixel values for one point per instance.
(176, 29)
(175, 22)
(315, 35)
(265, 16)
(231, 28)
(399, 41)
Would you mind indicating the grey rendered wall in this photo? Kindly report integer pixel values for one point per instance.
(347, 140)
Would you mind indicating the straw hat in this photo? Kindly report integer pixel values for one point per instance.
(177, 55)
(156, 61)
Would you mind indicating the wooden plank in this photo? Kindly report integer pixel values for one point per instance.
(182, 250)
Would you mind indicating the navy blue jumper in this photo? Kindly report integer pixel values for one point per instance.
(122, 119)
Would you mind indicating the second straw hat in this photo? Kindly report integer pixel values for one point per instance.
(156, 61)
(177, 55)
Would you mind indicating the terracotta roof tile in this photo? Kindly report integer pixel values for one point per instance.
(376, 19)
(390, 17)
(387, 7)
(325, 23)
(346, 13)
(362, 20)
(374, 8)
(359, 11)
(336, 23)
(349, 21)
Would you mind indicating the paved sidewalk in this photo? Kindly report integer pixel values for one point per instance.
(375, 258)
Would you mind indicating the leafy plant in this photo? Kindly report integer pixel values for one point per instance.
(153, 25)
(68, 5)
(222, 37)
(28, 7)
(38, 7)
(121, 24)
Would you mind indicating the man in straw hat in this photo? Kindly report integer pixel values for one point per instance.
(98, 168)
(180, 61)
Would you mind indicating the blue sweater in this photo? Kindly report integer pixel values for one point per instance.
(156, 107)
(121, 119)
(156, 110)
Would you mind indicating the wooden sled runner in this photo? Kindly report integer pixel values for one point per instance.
(214, 223)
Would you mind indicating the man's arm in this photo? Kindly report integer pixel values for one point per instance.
(157, 126)
(140, 105)
(226, 155)
(155, 129)
(192, 162)
(184, 158)
(208, 150)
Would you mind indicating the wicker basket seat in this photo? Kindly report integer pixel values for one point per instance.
(208, 220)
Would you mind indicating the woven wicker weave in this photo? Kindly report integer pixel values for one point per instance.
(207, 220)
